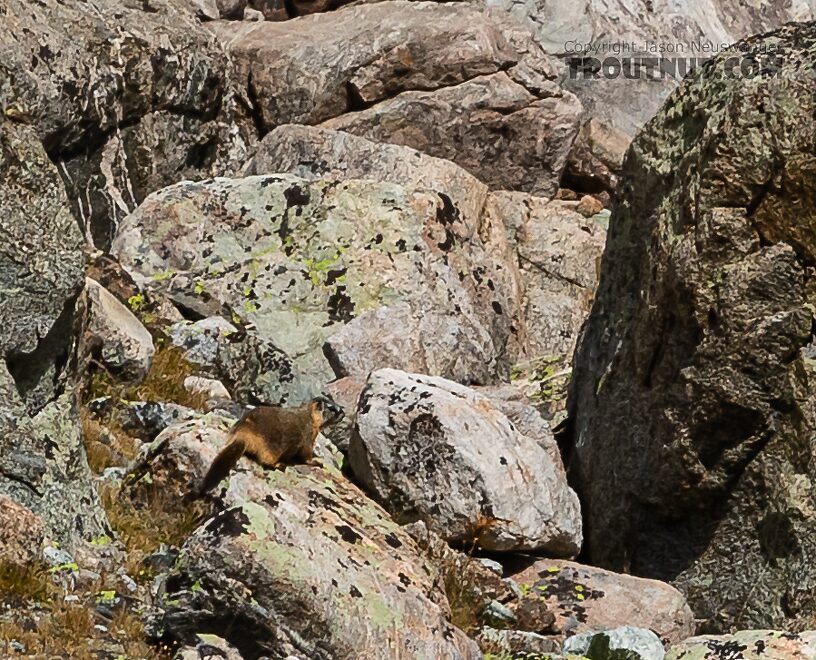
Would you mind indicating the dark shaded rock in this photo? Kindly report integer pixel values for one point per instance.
(692, 413)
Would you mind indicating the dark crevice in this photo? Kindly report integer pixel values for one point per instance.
(19, 480)
(253, 106)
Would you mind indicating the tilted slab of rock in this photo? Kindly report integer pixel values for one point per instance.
(692, 407)
(587, 599)
(300, 259)
(435, 76)
(298, 562)
(319, 153)
(126, 345)
(126, 100)
(493, 126)
(747, 645)
(432, 450)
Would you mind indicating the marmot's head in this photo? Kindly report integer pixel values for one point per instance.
(328, 409)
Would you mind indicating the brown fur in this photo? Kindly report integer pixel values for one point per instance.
(272, 436)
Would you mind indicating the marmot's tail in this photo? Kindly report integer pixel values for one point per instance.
(223, 463)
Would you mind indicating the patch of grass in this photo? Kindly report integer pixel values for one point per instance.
(25, 583)
(145, 516)
(106, 445)
(164, 381)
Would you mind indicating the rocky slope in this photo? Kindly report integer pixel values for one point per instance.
(214, 204)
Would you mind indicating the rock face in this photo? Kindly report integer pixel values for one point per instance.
(21, 534)
(300, 259)
(747, 644)
(42, 465)
(692, 419)
(298, 562)
(625, 642)
(696, 29)
(432, 450)
(124, 100)
(443, 78)
(586, 599)
(127, 346)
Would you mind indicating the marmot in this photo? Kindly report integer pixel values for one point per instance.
(272, 435)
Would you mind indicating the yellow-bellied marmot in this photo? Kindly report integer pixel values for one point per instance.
(271, 435)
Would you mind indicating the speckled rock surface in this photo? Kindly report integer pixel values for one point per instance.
(747, 645)
(622, 643)
(298, 561)
(587, 599)
(300, 259)
(126, 98)
(432, 450)
(21, 533)
(444, 78)
(126, 345)
(692, 410)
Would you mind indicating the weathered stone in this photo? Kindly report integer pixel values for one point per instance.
(272, 10)
(624, 643)
(587, 599)
(691, 408)
(212, 388)
(748, 644)
(432, 450)
(300, 259)
(630, 30)
(124, 100)
(596, 158)
(21, 533)
(126, 346)
(443, 78)
(301, 558)
(231, 9)
(251, 14)
(319, 153)
(493, 126)
(517, 643)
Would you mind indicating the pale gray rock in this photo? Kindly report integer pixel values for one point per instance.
(251, 14)
(302, 557)
(126, 345)
(432, 450)
(640, 641)
(301, 259)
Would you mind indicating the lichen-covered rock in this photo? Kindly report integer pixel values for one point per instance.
(432, 450)
(126, 345)
(318, 153)
(254, 369)
(692, 410)
(623, 643)
(300, 259)
(21, 533)
(298, 561)
(746, 645)
(125, 99)
(587, 599)
(444, 78)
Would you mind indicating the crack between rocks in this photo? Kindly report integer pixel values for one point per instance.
(550, 273)
(21, 481)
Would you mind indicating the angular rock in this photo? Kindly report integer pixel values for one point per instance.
(21, 533)
(691, 407)
(126, 345)
(588, 599)
(624, 643)
(213, 389)
(628, 29)
(436, 76)
(300, 557)
(301, 259)
(318, 153)
(125, 100)
(749, 644)
(493, 126)
(517, 642)
(596, 159)
(432, 450)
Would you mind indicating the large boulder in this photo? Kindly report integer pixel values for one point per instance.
(747, 645)
(297, 562)
(446, 79)
(42, 463)
(301, 259)
(126, 98)
(692, 416)
(432, 450)
(586, 599)
(697, 29)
